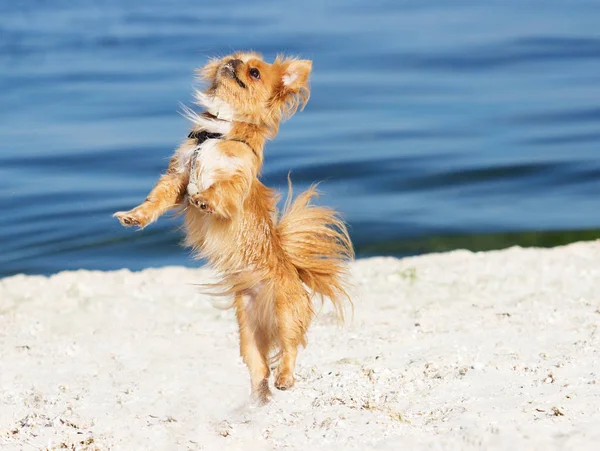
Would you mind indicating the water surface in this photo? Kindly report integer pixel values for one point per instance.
(432, 124)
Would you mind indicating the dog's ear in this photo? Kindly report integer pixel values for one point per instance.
(293, 90)
(296, 74)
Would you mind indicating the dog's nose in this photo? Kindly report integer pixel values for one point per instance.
(233, 64)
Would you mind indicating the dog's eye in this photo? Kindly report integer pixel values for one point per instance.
(254, 73)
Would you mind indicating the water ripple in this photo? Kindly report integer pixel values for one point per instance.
(428, 120)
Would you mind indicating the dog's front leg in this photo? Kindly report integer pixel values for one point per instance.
(224, 198)
(168, 192)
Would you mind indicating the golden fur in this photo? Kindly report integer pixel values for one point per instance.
(273, 266)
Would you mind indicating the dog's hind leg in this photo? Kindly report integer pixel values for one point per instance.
(285, 373)
(293, 318)
(254, 349)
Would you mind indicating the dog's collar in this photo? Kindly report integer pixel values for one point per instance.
(222, 116)
(219, 114)
(225, 116)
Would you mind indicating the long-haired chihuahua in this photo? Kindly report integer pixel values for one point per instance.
(273, 265)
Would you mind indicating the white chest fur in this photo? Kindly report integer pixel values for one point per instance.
(206, 163)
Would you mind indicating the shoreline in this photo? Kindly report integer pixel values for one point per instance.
(458, 350)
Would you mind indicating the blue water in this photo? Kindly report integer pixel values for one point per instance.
(427, 118)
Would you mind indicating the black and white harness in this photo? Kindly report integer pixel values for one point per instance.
(201, 136)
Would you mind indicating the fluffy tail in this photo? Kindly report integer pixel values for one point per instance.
(316, 241)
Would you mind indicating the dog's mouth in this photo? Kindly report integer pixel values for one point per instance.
(228, 70)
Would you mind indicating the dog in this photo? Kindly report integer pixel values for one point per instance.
(272, 264)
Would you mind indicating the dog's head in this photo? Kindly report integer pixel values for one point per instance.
(243, 87)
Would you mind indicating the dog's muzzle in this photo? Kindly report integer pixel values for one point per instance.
(230, 69)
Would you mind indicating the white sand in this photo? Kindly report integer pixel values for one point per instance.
(459, 351)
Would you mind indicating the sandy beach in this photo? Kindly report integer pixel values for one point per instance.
(455, 351)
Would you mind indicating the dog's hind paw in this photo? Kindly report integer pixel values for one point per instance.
(262, 394)
(284, 381)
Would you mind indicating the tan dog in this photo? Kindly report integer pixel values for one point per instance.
(273, 266)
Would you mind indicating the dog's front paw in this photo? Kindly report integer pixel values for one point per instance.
(132, 218)
(202, 203)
